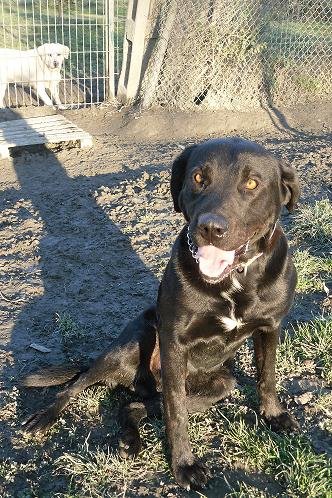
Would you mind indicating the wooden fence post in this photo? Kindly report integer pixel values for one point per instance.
(133, 49)
(158, 55)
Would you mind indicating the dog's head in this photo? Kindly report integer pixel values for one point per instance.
(53, 54)
(231, 192)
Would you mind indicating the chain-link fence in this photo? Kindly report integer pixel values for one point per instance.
(212, 54)
(92, 30)
(239, 54)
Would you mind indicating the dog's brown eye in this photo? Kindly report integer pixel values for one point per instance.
(251, 184)
(198, 178)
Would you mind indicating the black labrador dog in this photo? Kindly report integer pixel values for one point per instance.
(229, 278)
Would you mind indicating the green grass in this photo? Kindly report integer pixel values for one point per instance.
(222, 436)
(99, 470)
(68, 329)
(289, 459)
(313, 226)
(247, 491)
(324, 403)
(307, 341)
(312, 271)
(309, 27)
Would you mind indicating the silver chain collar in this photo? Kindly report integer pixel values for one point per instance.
(192, 247)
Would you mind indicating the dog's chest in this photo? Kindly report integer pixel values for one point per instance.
(231, 315)
(216, 336)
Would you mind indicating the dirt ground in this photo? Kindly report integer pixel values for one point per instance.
(85, 235)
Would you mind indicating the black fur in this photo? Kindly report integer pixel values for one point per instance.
(200, 322)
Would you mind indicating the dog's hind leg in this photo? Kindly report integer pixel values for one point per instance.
(202, 392)
(130, 418)
(121, 365)
(44, 419)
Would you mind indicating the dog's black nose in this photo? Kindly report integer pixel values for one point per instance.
(211, 225)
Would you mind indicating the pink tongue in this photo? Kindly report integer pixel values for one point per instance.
(213, 261)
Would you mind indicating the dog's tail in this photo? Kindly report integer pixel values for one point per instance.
(52, 376)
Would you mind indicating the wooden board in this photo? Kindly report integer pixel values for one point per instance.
(41, 130)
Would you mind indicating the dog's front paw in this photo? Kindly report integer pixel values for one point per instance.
(39, 422)
(282, 422)
(191, 476)
(129, 443)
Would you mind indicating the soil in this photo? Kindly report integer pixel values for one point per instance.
(85, 236)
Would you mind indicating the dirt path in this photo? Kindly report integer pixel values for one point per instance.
(85, 236)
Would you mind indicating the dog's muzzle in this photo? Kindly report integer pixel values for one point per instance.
(216, 264)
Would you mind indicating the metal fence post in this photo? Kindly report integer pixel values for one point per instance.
(109, 60)
(133, 49)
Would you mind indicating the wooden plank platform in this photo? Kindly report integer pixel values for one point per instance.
(41, 130)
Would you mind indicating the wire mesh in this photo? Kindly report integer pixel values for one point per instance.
(239, 54)
(92, 29)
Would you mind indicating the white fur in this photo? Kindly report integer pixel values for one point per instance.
(39, 67)
(231, 322)
(235, 283)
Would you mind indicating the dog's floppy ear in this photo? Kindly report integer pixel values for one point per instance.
(42, 49)
(178, 174)
(65, 51)
(290, 190)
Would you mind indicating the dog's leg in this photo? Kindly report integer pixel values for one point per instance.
(205, 390)
(41, 92)
(3, 87)
(119, 366)
(202, 393)
(187, 470)
(54, 89)
(265, 345)
(130, 418)
(114, 368)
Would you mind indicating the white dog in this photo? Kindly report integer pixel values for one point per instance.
(39, 67)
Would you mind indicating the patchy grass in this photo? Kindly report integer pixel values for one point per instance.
(89, 401)
(289, 459)
(313, 226)
(90, 467)
(246, 491)
(96, 470)
(223, 436)
(67, 328)
(312, 271)
(307, 341)
(324, 403)
(9, 469)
